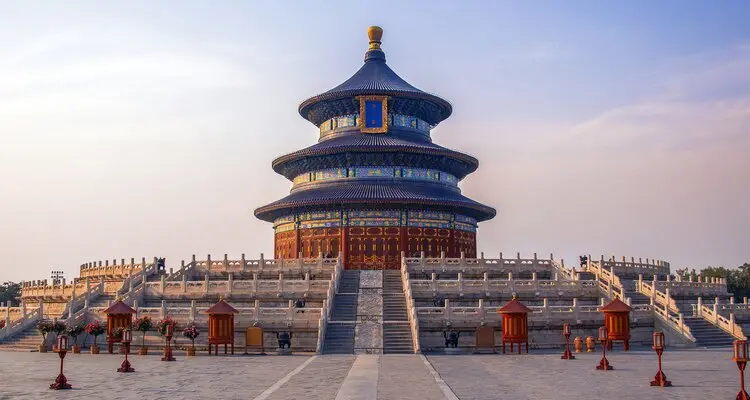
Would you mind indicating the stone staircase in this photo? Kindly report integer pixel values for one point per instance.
(397, 336)
(340, 330)
(27, 340)
(707, 334)
(632, 293)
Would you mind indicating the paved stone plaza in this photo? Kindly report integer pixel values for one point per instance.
(696, 374)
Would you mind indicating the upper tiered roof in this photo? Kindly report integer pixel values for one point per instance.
(375, 78)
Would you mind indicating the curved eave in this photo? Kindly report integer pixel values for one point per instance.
(373, 143)
(378, 195)
(444, 106)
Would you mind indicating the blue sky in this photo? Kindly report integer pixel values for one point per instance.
(139, 129)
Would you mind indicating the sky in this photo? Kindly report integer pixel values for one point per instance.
(132, 129)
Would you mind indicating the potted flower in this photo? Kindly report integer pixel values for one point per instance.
(161, 327)
(74, 332)
(58, 327)
(2, 324)
(191, 332)
(44, 327)
(95, 329)
(143, 325)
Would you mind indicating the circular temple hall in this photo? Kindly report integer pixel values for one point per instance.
(375, 185)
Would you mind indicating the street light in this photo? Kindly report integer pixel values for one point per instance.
(740, 357)
(567, 355)
(61, 382)
(660, 379)
(127, 338)
(604, 363)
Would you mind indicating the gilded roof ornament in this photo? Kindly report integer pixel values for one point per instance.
(375, 33)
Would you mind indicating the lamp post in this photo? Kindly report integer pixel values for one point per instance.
(62, 348)
(168, 348)
(127, 338)
(740, 357)
(660, 379)
(603, 363)
(567, 355)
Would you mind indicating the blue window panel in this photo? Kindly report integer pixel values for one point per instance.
(373, 114)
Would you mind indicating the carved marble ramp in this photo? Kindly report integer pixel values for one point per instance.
(368, 334)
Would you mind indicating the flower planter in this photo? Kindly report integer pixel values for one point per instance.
(143, 351)
(42, 348)
(191, 351)
(94, 349)
(76, 349)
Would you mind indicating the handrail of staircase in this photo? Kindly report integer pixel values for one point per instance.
(21, 324)
(659, 297)
(568, 274)
(711, 315)
(411, 310)
(325, 312)
(184, 270)
(677, 323)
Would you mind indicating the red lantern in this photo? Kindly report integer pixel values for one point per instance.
(740, 357)
(127, 338)
(567, 355)
(62, 348)
(604, 363)
(660, 379)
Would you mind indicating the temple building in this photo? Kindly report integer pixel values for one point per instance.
(375, 185)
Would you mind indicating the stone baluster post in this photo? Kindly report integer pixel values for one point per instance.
(256, 310)
(534, 281)
(225, 262)
(576, 311)
(485, 282)
(744, 300)
(448, 313)
(422, 261)
(255, 283)
(460, 284)
(230, 282)
(281, 281)
(481, 311)
(307, 282)
(601, 302)
(243, 262)
(731, 299)
(184, 283)
(163, 283)
(545, 305)
(205, 283)
(300, 260)
(192, 310)
(699, 307)
(433, 282)
(208, 263)
(163, 311)
(290, 311)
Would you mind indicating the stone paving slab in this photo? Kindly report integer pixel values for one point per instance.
(28, 376)
(321, 379)
(695, 374)
(404, 376)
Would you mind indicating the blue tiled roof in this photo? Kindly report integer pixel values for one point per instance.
(376, 78)
(375, 194)
(363, 143)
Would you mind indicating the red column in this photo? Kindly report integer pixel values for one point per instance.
(345, 246)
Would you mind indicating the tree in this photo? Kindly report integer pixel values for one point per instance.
(10, 291)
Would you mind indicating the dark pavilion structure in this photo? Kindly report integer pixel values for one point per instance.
(375, 185)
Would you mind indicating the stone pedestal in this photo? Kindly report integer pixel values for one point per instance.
(452, 351)
(284, 352)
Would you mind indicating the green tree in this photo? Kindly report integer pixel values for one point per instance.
(10, 291)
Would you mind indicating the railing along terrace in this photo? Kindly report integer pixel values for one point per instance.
(327, 309)
(411, 310)
(478, 265)
(27, 320)
(649, 267)
(545, 314)
(264, 316)
(97, 268)
(538, 287)
(262, 265)
(231, 286)
(712, 314)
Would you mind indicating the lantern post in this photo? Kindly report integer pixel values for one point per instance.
(127, 338)
(567, 355)
(740, 357)
(168, 348)
(62, 348)
(604, 363)
(660, 379)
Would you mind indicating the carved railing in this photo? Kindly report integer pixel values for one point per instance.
(299, 265)
(17, 326)
(565, 273)
(674, 321)
(478, 265)
(231, 286)
(411, 310)
(105, 269)
(328, 303)
(650, 267)
(662, 298)
(711, 314)
(538, 287)
(609, 283)
(544, 314)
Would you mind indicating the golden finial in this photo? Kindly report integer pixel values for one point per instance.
(514, 296)
(375, 33)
